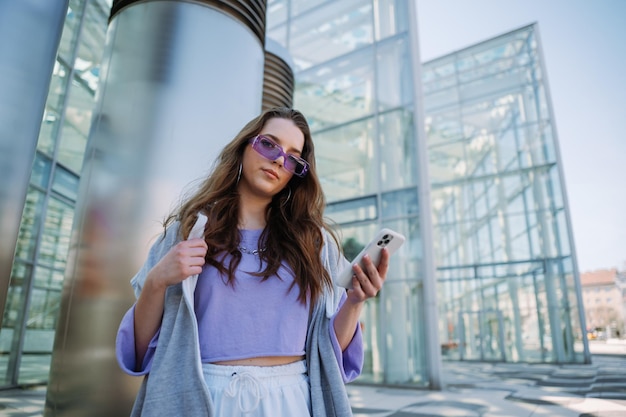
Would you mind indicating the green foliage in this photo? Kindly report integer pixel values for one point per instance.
(351, 248)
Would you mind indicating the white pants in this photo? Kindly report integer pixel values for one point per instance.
(259, 391)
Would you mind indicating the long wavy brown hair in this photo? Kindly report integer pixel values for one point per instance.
(293, 233)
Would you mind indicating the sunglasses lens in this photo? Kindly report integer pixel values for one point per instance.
(295, 166)
(267, 148)
(272, 151)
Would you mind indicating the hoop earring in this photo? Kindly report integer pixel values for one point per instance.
(239, 173)
(288, 197)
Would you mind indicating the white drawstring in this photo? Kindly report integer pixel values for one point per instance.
(241, 380)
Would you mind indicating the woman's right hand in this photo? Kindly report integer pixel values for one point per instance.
(185, 259)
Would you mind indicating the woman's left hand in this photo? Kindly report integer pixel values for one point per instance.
(366, 283)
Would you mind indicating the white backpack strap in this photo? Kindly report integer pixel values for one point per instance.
(189, 284)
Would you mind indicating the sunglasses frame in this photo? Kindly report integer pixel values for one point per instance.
(289, 159)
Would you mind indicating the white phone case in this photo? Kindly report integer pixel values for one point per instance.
(385, 238)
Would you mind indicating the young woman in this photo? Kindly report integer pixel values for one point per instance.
(236, 310)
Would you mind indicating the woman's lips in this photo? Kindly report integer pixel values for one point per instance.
(271, 173)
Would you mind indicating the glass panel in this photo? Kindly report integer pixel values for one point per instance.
(441, 98)
(49, 278)
(70, 29)
(481, 335)
(439, 74)
(78, 111)
(54, 104)
(276, 13)
(39, 336)
(447, 162)
(58, 86)
(507, 151)
(529, 108)
(12, 318)
(300, 6)
(30, 224)
(91, 44)
(65, 183)
(40, 176)
(47, 134)
(278, 34)
(398, 167)
(394, 74)
(443, 126)
(76, 127)
(44, 306)
(345, 160)
(371, 335)
(390, 18)
(56, 234)
(352, 210)
(517, 229)
(338, 91)
(563, 236)
(329, 31)
(35, 367)
(403, 341)
(400, 203)
(19, 273)
(555, 192)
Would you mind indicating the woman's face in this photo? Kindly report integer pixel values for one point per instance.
(261, 177)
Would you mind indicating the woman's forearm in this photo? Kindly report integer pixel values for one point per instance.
(346, 321)
(185, 259)
(148, 315)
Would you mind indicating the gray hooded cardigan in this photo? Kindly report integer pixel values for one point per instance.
(175, 384)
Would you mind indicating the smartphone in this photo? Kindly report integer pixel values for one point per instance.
(385, 238)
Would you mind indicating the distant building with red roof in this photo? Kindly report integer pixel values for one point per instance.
(604, 299)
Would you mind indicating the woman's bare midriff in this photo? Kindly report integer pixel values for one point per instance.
(263, 361)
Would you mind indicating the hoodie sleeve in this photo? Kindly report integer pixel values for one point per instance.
(125, 347)
(351, 359)
(125, 340)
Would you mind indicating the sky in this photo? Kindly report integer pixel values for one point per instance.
(584, 48)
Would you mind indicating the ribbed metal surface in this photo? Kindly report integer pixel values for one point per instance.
(278, 82)
(250, 12)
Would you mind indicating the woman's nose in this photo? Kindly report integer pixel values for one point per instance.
(280, 160)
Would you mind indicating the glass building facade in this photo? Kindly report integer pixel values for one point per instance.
(357, 69)
(36, 282)
(507, 282)
(508, 285)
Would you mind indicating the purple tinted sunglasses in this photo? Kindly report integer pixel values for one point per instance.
(271, 150)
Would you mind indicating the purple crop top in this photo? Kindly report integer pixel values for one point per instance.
(252, 318)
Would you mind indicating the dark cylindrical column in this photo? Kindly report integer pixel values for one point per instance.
(30, 31)
(179, 80)
(278, 79)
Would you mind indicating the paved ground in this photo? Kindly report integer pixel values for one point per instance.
(512, 390)
(472, 390)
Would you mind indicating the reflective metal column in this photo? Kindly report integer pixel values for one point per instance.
(30, 31)
(179, 80)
